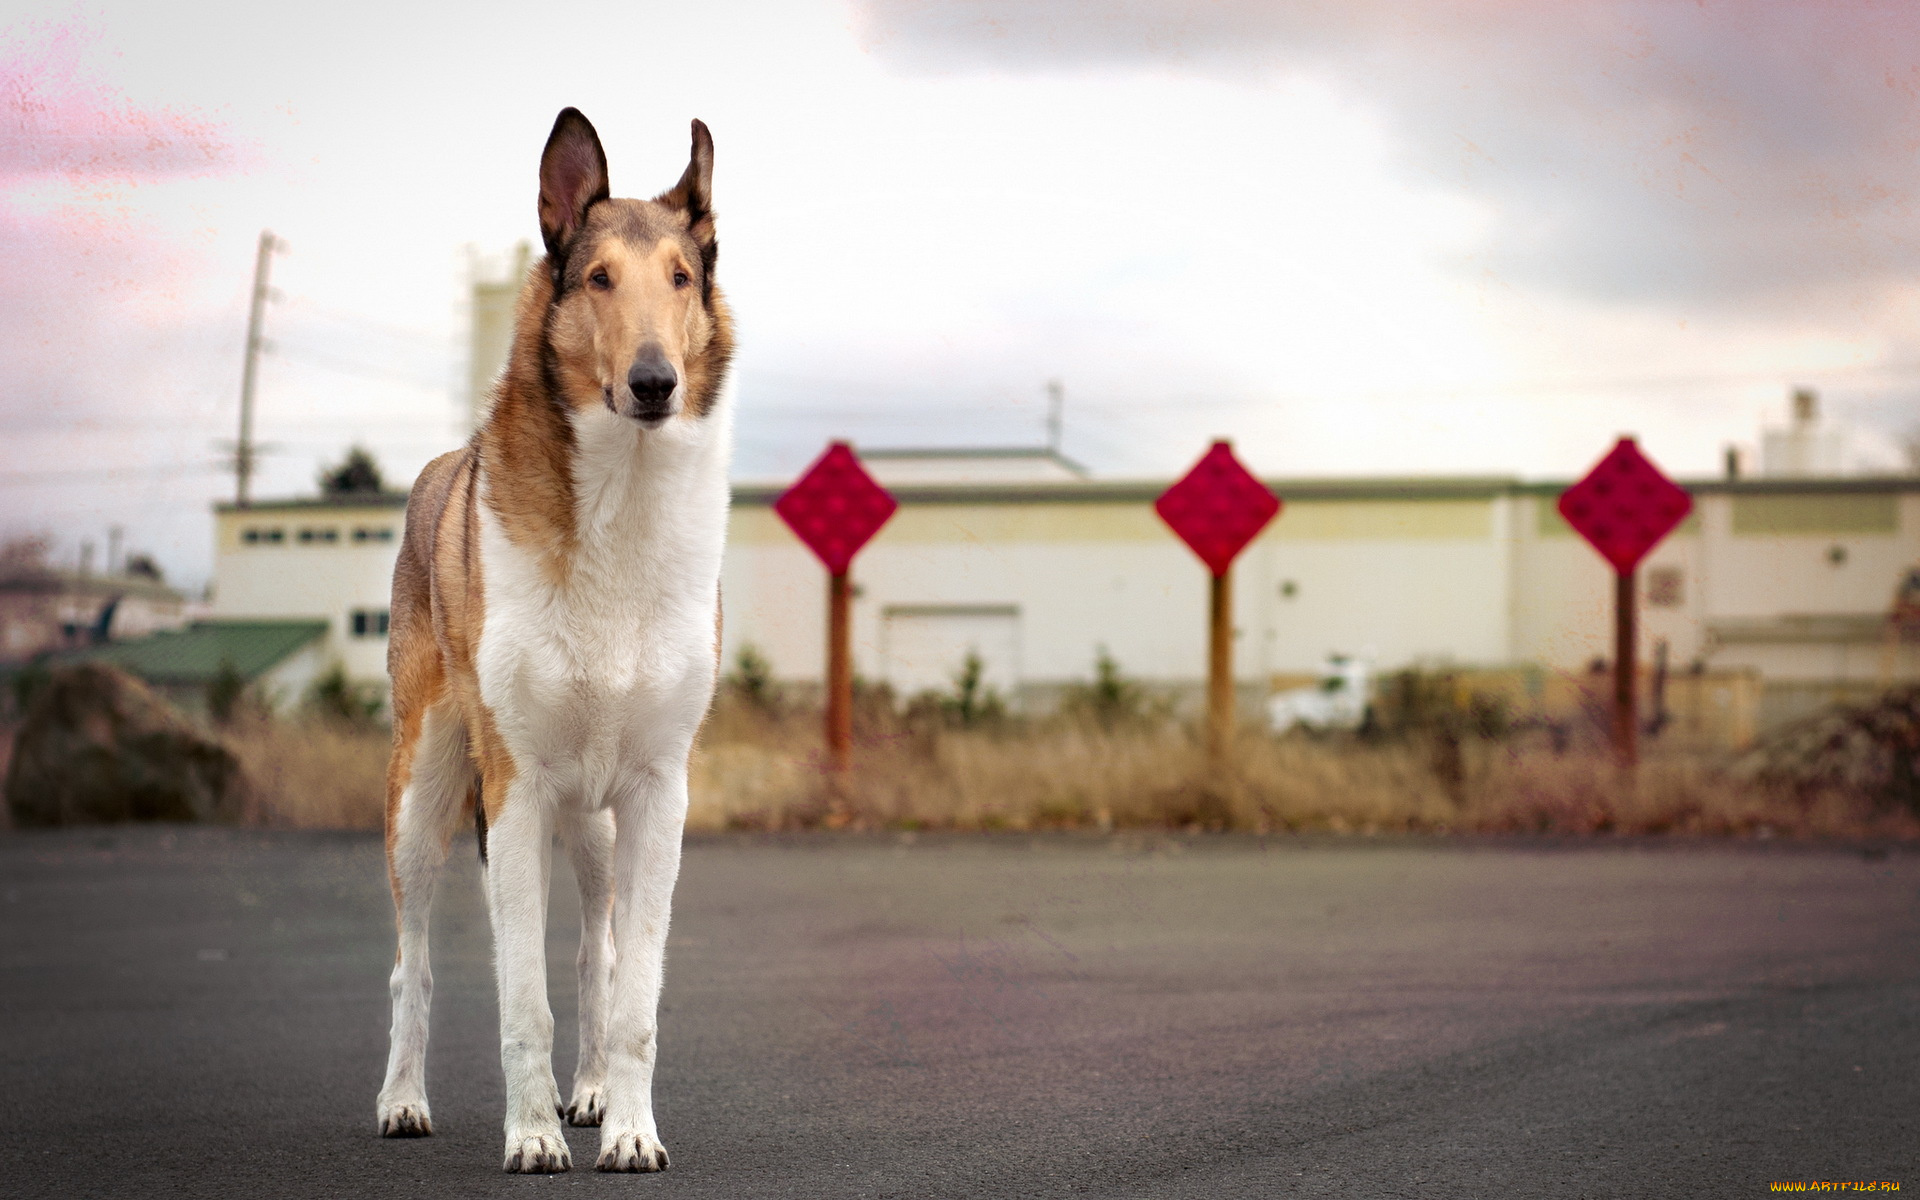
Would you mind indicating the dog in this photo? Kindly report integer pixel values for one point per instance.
(555, 643)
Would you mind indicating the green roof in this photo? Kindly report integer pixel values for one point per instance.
(195, 654)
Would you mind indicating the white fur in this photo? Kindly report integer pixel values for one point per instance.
(430, 809)
(597, 685)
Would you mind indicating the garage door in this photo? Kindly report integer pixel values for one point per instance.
(924, 646)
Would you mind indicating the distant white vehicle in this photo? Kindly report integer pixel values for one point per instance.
(1339, 701)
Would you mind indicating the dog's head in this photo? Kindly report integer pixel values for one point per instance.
(635, 322)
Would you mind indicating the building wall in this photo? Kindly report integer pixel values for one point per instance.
(1469, 574)
(1079, 575)
(1563, 590)
(331, 580)
(1394, 581)
(1399, 581)
(1776, 554)
(286, 685)
(1471, 580)
(61, 612)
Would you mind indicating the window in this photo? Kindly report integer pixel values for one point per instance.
(319, 537)
(1788, 515)
(369, 622)
(263, 537)
(365, 534)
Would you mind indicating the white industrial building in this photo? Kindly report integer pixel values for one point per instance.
(1792, 578)
(1022, 558)
(326, 559)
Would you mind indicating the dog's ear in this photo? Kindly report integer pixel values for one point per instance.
(573, 177)
(693, 195)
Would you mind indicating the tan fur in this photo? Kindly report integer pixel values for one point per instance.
(416, 662)
(526, 442)
(596, 331)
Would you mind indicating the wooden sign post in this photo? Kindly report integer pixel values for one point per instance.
(1624, 507)
(1220, 706)
(1626, 666)
(840, 671)
(836, 508)
(1216, 509)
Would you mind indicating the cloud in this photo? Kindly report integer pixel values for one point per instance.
(82, 262)
(1755, 158)
(99, 353)
(58, 118)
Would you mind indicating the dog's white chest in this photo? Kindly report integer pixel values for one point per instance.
(597, 671)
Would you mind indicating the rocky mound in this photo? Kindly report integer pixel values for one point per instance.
(98, 745)
(1869, 751)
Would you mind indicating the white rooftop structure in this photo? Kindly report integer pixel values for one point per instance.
(1808, 447)
(976, 465)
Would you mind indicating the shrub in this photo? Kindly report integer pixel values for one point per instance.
(1111, 699)
(752, 679)
(336, 697)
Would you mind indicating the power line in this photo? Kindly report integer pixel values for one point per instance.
(347, 366)
(28, 478)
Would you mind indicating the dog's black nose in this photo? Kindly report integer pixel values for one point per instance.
(652, 380)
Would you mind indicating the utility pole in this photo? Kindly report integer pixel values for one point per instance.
(1056, 413)
(243, 451)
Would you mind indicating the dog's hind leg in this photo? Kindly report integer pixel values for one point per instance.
(432, 777)
(589, 839)
(519, 837)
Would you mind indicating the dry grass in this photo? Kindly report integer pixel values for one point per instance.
(312, 773)
(757, 770)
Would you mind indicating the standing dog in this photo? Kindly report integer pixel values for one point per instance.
(554, 645)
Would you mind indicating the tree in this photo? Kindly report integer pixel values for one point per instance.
(356, 475)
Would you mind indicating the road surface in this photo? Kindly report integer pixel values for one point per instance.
(203, 1012)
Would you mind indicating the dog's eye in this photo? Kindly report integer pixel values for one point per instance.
(600, 279)
(681, 279)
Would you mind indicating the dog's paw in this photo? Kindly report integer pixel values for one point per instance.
(405, 1119)
(538, 1154)
(589, 1105)
(631, 1152)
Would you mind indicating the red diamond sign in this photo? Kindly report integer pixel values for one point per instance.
(1217, 508)
(836, 507)
(1625, 506)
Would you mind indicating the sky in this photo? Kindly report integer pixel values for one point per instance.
(1355, 237)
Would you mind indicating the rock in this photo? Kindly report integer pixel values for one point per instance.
(1870, 751)
(98, 745)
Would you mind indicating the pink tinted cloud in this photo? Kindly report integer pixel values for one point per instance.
(58, 118)
(91, 286)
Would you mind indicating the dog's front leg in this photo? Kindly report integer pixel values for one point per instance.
(517, 859)
(589, 840)
(646, 864)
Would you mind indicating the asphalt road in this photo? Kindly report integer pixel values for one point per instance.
(203, 1012)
